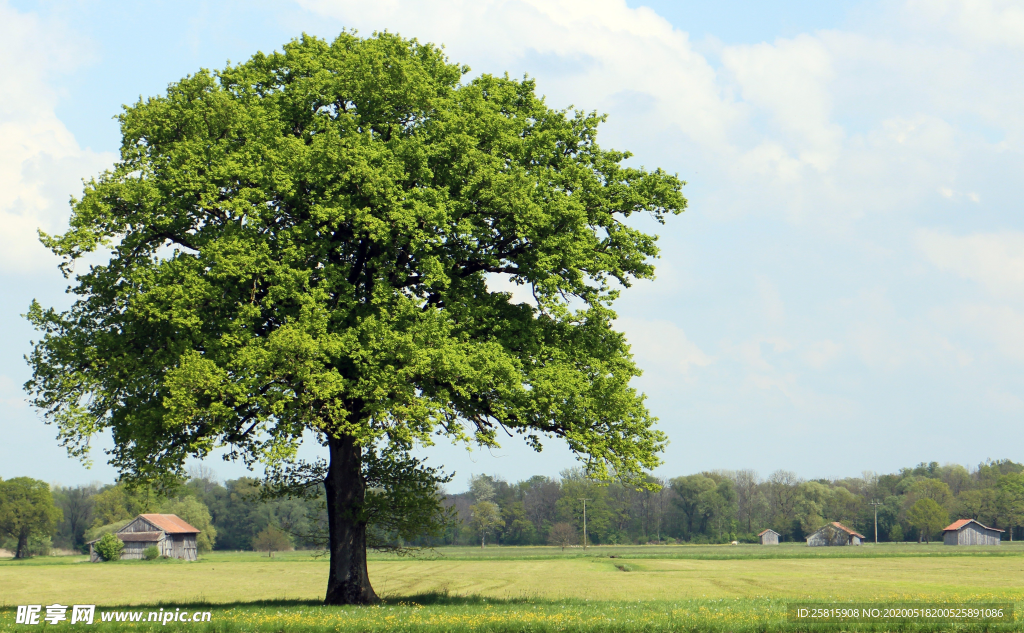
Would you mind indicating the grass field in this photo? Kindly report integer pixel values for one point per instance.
(648, 588)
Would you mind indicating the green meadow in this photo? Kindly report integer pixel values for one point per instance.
(644, 588)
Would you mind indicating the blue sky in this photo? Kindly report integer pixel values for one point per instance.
(845, 293)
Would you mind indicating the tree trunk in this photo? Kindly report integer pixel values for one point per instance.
(22, 551)
(348, 581)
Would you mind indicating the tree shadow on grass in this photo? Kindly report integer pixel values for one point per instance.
(431, 598)
(443, 598)
(206, 604)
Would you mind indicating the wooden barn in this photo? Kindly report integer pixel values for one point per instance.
(970, 532)
(769, 537)
(169, 534)
(834, 533)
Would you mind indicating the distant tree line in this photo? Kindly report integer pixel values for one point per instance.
(708, 507)
(723, 506)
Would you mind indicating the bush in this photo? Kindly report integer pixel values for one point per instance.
(109, 547)
(151, 553)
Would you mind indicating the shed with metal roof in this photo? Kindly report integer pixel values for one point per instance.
(970, 532)
(834, 533)
(172, 537)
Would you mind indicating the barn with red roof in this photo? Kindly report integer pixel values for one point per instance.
(168, 533)
(970, 532)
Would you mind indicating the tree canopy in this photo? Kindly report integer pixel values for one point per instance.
(26, 510)
(271, 539)
(308, 242)
(927, 516)
(195, 513)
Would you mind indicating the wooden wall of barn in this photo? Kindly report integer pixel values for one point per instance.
(769, 538)
(972, 534)
(133, 550)
(182, 546)
(140, 525)
(821, 538)
(831, 536)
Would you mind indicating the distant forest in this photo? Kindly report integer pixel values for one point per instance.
(707, 507)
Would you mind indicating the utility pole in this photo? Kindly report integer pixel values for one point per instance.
(876, 504)
(585, 524)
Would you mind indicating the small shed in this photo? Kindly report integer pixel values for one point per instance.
(834, 533)
(167, 532)
(970, 532)
(769, 537)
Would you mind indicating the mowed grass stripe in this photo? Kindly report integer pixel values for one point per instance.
(136, 582)
(221, 579)
(718, 552)
(842, 579)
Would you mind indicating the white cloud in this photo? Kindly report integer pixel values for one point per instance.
(824, 127)
(821, 353)
(892, 343)
(41, 164)
(609, 50)
(790, 81)
(750, 353)
(767, 380)
(663, 349)
(994, 260)
(979, 21)
(999, 328)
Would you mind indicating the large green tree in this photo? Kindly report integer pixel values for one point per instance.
(308, 242)
(485, 517)
(26, 510)
(707, 502)
(927, 516)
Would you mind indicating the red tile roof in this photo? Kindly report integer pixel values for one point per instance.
(955, 526)
(847, 530)
(762, 532)
(170, 523)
